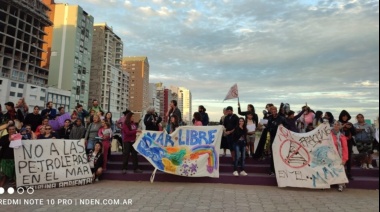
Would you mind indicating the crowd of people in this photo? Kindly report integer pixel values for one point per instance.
(97, 128)
(240, 134)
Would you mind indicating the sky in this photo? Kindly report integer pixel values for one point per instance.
(323, 53)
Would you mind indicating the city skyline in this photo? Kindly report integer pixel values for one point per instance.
(320, 52)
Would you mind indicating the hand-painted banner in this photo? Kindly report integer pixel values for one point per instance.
(307, 160)
(52, 164)
(189, 151)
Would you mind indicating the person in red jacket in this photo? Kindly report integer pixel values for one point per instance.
(129, 131)
(340, 142)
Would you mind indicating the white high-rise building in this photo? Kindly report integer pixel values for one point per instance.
(184, 103)
(154, 101)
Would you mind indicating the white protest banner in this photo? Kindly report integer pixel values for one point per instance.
(189, 151)
(307, 160)
(233, 93)
(52, 164)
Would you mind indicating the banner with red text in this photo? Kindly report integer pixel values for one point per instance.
(307, 160)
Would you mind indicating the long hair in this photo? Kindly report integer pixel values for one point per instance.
(108, 120)
(176, 122)
(128, 121)
(252, 108)
(197, 116)
(244, 125)
(318, 116)
(331, 117)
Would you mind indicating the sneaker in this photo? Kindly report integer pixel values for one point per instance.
(235, 173)
(340, 188)
(271, 174)
(124, 171)
(243, 173)
(370, 166)
(138, 171)
(97, 180)
(364, 166)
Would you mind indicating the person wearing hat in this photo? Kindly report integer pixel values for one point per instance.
(231, 122)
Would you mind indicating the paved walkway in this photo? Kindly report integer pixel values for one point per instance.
(142, 196)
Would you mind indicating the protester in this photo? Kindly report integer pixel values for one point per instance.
(11, 115)
(92, 133)
(260, 149)
(61, 111)
(129, 131)
(197, 119)
(239, 143)
(307, 119)
(349, 131)
(48, 133)
(251, 134)
(108, 118)
(204, 115)
(152, 120)
(45, 122)
(250, 109)
(49, 112)
(173, 110)
(273, 123)
(96, 161)
(119, 125)
(174, 123)
(318, 119)
(27, 133)
(96, 107)
(340, 142)
(224, 143)
(77, 131)
(65, 131)
(105, 134)
(34, 119)
(7, 163)
(74, 116)
(330, 118)
(364, 141)
(82, 113)
(22, 106)
(231, 122)
(291, 120)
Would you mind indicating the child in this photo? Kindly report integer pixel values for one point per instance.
(105, 134)
(197, 119)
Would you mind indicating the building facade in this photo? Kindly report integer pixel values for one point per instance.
(184, 100)
(138, 69)
(154, 101)
(107, 79)
(70, 56)
(22, 35)
(34, 95)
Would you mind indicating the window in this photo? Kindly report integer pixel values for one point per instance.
(21, 86)
(13, 84)
(12, 93)
(42, 98)
(19, 95)
(33, 97)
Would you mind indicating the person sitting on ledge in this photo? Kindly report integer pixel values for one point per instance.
(95, 159)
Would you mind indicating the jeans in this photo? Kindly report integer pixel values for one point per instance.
(239, 148)
(127, 150)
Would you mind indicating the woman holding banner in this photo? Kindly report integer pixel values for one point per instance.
(7, 163)
(340, 142)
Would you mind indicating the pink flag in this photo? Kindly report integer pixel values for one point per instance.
(233, 93)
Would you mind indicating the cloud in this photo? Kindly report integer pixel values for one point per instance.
(324, 52)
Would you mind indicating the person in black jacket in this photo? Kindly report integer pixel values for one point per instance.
(95, 159)
(273, 123)
(259, 153)
(250, 109)
(34, 119)
(239, 143)
(349, 131)
(64, 132)
(152, 120)
(231, 122)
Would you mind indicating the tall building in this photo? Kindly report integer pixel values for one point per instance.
(106, 80)
(71, 47)
(187, 115)
(154, 101)
(138, 69)
(22, 35)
